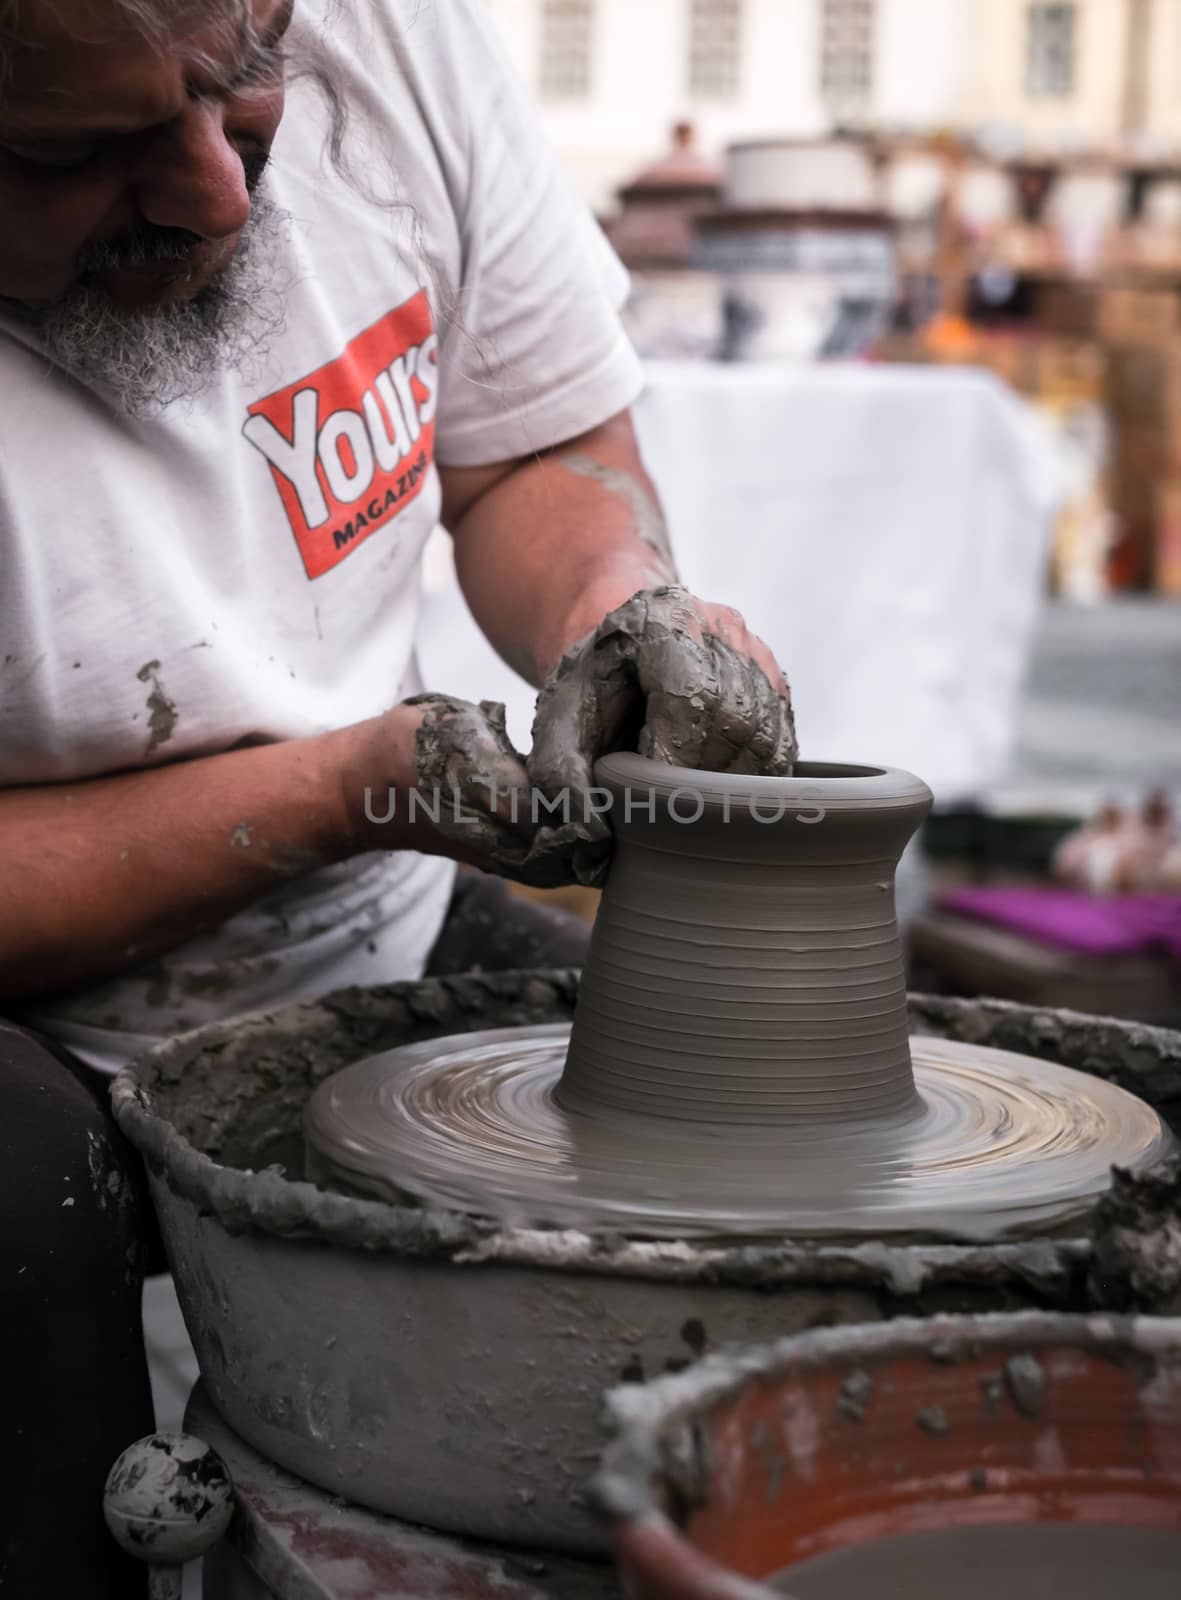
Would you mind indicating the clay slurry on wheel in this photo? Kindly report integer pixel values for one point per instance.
(739, 1063)
(998, 1147)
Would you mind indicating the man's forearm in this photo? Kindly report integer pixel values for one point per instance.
(549, 549)
(101, 876)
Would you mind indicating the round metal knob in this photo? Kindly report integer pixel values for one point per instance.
(167, 1500)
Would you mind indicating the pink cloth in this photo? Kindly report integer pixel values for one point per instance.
(1072, 920)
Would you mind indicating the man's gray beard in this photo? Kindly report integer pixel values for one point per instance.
(147, 360)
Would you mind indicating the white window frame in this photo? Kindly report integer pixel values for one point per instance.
(567, 41)
(717, 32)
(1051, 49)
(848, 31)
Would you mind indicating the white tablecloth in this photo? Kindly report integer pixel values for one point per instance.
(885, 529)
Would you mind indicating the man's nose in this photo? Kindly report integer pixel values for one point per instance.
(192, 177)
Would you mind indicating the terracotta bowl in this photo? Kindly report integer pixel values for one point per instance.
(760, 1459)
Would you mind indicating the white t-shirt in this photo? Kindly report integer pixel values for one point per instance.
(248, 567)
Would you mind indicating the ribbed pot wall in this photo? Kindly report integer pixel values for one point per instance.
(746, 970)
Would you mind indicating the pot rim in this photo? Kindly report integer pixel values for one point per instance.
(842, 785)
(641, 1417)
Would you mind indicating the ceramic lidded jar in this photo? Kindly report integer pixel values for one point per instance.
(745, 965)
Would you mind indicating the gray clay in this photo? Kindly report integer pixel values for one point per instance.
(739, 1062)
(527, 1328)
(476, 1124)
(1054, 1561)
(1137, 1239)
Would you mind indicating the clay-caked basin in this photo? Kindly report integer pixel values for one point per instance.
(449, 1370)
(1012, 1456)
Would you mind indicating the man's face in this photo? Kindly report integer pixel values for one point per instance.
(127, 163)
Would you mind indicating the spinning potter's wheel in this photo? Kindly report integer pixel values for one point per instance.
(994, 1143)
(739, 1063)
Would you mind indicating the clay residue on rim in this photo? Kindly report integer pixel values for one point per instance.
(209, 1111)
(649, 1422)
(1136, 1264)
(1133, 1055)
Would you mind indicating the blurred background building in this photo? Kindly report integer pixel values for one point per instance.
(611, 76)
(906, 276)
(994, 183)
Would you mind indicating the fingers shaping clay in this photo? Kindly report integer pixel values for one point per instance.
(739, 1063)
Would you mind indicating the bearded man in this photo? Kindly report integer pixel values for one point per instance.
(252, 356)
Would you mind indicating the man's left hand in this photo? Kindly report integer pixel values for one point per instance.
(680, 680)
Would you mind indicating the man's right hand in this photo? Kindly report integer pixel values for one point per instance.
(473, 800)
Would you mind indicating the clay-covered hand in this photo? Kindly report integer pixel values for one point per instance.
(676, 678)
(470, 775)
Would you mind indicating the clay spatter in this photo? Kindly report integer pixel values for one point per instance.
(162, 713)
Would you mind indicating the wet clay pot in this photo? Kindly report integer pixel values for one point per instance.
(992, 1448)
(745, 966)
(448, 1370)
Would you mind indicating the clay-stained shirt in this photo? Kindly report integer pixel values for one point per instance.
(247, 567)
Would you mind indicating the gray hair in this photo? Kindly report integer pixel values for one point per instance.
(307, 60)
(234, 24)
(150, 18)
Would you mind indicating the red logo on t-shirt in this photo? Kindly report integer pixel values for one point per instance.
(351, 444)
